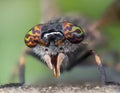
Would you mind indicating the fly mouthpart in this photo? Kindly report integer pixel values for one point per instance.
(54, 62)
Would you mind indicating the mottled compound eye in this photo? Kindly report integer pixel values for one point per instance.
(33, 37)
(73, 33)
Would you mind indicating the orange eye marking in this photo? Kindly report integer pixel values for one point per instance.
(37, 28)
(66, 25)
(66, 31)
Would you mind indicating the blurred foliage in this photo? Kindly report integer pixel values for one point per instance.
(18, 16)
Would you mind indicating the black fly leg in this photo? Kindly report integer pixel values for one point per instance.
(20, 68)
(84, 56)
(100, 67)
(22, 65)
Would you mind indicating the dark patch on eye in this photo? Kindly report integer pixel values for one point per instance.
(68, 28)
(31, 39)
(27, 35)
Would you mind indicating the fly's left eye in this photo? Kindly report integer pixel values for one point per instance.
(33, 37)
(73, 33)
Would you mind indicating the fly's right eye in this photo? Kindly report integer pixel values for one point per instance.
(73, 33)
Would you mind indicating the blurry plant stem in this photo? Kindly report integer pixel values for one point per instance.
(48, 9)
(111, 14)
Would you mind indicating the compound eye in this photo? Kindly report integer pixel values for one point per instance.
(73, 33)
(33, 36)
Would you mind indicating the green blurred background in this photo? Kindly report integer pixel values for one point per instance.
(18, 16)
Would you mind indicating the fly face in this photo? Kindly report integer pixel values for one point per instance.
(52, 42)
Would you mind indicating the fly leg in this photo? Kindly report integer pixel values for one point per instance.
(97, 60)
(20, 68)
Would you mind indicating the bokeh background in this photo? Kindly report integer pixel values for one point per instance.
(18, 16)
